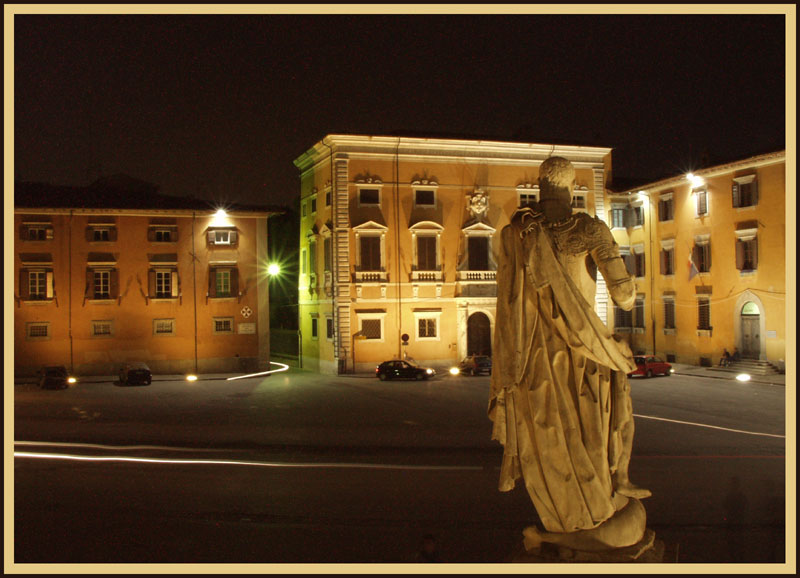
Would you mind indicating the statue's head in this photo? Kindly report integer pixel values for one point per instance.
(556, 183)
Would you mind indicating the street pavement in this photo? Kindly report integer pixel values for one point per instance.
(298, 416)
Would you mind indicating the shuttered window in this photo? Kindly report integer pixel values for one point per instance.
(747, 254)
(703, 313)
(223, 282)
(39, 284)
(668, 261)
(701, 255)
(744, 191)
(223, 237)
(638, 312)
(669, 313)
(701, 198)
(623, 320)
(101, 233)
(36, 232)
(666, 210)
(102, 283)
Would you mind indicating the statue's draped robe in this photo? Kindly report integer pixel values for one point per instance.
(559, 396)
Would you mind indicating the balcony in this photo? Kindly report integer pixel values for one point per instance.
(370, 277)
(427, 276)
(476, 276)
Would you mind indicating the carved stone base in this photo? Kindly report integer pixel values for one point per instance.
(647, 550)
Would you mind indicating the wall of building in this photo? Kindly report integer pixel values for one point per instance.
(132, 310)
(728, 288)
(398, 299)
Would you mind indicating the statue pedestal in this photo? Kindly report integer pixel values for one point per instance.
(647, 550)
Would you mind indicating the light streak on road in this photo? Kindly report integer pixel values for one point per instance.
(299, 465)
(752, 433)
(283, 367)
(108, 447)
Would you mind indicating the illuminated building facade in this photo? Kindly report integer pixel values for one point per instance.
(708, 252)
(398, 243)
(116, 272)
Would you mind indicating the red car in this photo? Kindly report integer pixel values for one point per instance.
(649, 365)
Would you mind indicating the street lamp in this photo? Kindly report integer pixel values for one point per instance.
(273, 269)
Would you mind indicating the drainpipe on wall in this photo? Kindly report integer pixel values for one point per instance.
(69, 295)
(397, 249)
(652, 272)
(194, 289)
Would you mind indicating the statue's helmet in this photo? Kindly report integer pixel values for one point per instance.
(556, 173)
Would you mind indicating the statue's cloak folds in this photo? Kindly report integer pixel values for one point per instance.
(557, 385)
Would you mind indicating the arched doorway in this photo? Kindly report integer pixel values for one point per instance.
(751, 331)
(479, 335)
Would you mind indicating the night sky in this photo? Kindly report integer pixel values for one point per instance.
(219, 106)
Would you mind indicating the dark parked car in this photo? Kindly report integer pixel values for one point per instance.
(400, 369)
(54, 377)
(476, 364)
(135, 373)
(648, 366)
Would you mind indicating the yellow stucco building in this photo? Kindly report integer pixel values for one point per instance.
(398, 245)
(398, 239)
(708, 250)
(108, 274)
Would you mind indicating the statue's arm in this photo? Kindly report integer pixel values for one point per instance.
(605, 253)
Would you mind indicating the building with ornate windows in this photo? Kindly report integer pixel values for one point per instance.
(708, 252)
(116, 272)
(398, 242)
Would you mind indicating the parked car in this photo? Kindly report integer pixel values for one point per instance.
(649, 365)
(135, 373)
(476, 364)
(55, 377)
(401, 369)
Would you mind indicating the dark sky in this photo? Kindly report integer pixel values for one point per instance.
(220, 106)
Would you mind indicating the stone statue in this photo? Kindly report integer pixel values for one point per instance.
(560, 398)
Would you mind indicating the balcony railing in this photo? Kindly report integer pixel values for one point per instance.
(477, 276)
(371, 277)
(427, 276)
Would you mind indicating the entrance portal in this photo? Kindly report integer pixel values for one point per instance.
(751, 339)
(479, 335)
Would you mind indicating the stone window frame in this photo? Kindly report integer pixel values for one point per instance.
(164, 322)
(427, 315)
(431, 186)
(217, 321)
(30, 326)
(377, 186)
(95, 323)
(370, 229)
(380, 316)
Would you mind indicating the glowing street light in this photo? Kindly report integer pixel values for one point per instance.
(273, 269)
(743, 377)
(191, 377)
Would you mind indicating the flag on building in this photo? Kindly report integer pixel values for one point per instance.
(692, 267)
